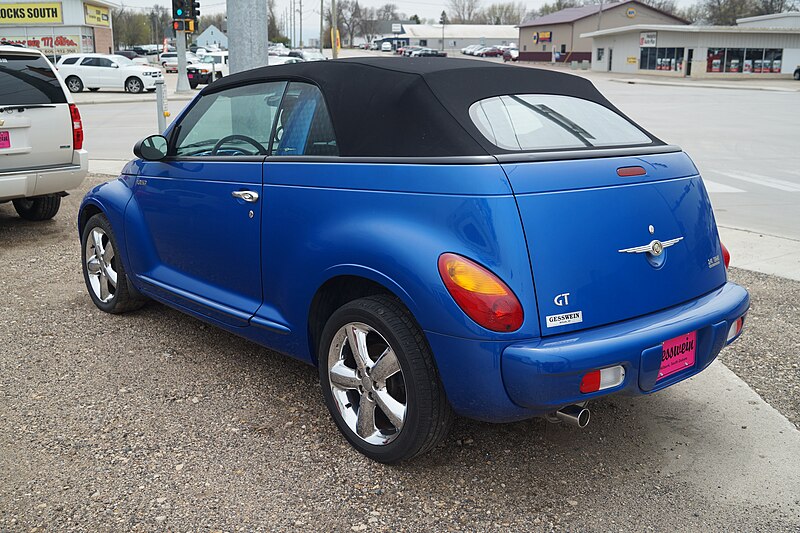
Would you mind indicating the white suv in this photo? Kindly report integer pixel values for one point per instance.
(105, 71)
(41, 135)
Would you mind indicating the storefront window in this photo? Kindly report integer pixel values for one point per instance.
(716, 58)
(772, 60)
(733, 59)
(670, 59)
(600, 52)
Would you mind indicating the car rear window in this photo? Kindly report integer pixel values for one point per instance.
(70, 61)
(529, 122)
(27, 79)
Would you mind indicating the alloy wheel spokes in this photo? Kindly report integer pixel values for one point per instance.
(99, 265)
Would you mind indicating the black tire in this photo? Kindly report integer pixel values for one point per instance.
(125, 297)
(94, 89)
(193, 85)
(134, 85)
(37, 209)
(797, 74)
(74, 84)
(428, 415)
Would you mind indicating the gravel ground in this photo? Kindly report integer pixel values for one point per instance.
(155, 421)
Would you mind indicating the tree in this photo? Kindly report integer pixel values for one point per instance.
(349, 19)
(369, 24)
(217, 19)
(510, 13)
(130, 27)
(388, 12)
(463, 11)
(415, 19)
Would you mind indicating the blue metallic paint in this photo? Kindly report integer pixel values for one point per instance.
(390, 223)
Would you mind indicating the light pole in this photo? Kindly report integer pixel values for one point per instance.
(334, 30)
(321, 23)
(443, 21)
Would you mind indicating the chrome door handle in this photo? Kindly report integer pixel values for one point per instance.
(247, 196)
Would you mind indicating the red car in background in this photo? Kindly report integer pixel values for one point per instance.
(491, 51)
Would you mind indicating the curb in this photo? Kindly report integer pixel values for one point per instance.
(705, 85)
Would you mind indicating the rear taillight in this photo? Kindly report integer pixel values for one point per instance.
(602, 379)
(480, 294)
(726, 256)
(77, 127)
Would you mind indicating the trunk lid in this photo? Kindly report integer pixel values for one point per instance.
(583, 224)
(35, 121)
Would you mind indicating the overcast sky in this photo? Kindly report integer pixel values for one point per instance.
(430, 9)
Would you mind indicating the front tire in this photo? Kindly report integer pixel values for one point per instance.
(134, 85)
(385, 395)
(103, 270)
(38, 209)
(74, 84)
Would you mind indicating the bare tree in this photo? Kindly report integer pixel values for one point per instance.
(463, 11)
(388, 12)
(502, 13)
(369, 24)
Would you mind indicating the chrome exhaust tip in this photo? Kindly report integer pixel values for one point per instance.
(574, 415)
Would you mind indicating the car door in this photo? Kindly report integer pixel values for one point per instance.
(194, 223)
(95, 72)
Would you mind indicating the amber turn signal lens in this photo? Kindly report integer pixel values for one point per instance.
(480, 294)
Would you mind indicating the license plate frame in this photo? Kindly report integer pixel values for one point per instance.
(678, 353)
(5, 139)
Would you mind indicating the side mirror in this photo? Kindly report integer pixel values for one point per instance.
(114, 65)
(153, 148)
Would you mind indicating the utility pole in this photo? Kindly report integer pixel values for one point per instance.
(321, 23)
(180, 48)
(247, 39)
(334, 30)
(600, 15)
(301, 23)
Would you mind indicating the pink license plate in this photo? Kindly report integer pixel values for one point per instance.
(677, 354)
(5, 139)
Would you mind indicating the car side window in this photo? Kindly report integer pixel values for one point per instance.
(70, 61)
(89, 62)
(234, 122)
(304, 125)
(103, 62)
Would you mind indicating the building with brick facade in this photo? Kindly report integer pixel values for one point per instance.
(557, 36)
(58, 28)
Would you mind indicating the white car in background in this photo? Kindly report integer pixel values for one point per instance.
(41, 135)
(386, 46)
(212, 66)
(105, 71)
(169, 60)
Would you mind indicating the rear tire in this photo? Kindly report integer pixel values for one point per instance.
(74, 84)
(104, 271)
(37, 209)
(389, 412)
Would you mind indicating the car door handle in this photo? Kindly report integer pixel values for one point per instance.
(247, 196)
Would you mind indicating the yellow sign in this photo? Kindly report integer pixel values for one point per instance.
(632, 60)
(30, 13)
(542, 37)
(96, 15)
(631, 12)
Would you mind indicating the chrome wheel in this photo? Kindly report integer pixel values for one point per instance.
(134, 85)
(74, 84)
(100, 265)
(367, 383)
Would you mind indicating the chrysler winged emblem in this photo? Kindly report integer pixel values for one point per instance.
(2, 122)
(655, 247)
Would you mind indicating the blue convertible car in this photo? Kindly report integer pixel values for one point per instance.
(438, 237)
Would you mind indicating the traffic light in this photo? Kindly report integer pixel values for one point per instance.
(194, 10)
(178, 25)
(180, 9)
(443, 19)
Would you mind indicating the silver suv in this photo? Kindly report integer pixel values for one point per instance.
(41, 135)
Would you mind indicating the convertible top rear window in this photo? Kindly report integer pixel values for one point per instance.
(530, 122)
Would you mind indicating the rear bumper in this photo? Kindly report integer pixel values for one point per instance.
(545, 375)
(499, 382)
(39, 182)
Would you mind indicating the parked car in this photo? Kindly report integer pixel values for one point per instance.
(485, 274)
(104, 71)
(210, 67)
(169, 60)
(307, 55)
(283, 60)
(489, 51)
(511, 54)
(133, 56)
(796, 74)
(41, 135)
(428, 52)
(386, 46)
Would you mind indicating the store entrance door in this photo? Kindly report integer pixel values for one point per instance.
(689, 55)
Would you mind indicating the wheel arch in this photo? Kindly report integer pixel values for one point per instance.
(346, 284)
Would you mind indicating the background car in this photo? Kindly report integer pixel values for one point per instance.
(41, 135)
(796, 74)
(468, 282)
(428, 52)
(307, 55)
(104, 71)
(386, 47)
(133, 56)
(511, 54)
(170, 61)
(489, 51)
(210, 67)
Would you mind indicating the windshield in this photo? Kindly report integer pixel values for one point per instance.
(210, 59)
(549, 122)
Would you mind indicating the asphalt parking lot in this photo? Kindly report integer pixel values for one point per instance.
(155, 421)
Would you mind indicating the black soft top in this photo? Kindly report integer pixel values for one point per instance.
(415, 107)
